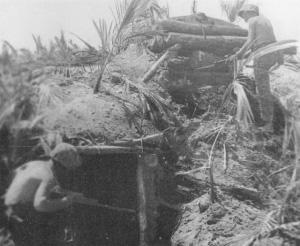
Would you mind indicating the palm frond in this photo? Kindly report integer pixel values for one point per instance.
(50, 94)
(131, 119)
(231, 8)
(91, 48)
(244, 112)
(280, 45)
(160, 112)
(105, 33)
(12, 48)
(158, 11)
(266, 226)
(134, 9)
(194, 7)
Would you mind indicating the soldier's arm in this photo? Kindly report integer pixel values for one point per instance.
(42, 201)
(250, 39)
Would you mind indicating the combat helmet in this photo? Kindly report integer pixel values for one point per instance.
(67, 155)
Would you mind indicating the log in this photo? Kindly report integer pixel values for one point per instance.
(218, 45)
(203, 19)
(199, 29)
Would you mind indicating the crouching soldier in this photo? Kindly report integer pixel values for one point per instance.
(35, 214)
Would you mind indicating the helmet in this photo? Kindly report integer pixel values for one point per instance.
(248, 8)
(67, 155)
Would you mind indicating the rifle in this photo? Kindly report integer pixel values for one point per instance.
(81, 199)
(220, 65)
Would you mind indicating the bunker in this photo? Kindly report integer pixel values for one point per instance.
(123, 179)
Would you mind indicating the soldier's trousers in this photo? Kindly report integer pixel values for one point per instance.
(262, 80)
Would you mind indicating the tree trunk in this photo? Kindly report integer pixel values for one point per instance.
(199, 29)
(142, 207)
(218, 45)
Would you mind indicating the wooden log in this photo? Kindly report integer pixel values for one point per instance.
(199, 29)
(218, 45)
(203, 19)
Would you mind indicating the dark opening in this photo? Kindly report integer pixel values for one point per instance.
(111, 179)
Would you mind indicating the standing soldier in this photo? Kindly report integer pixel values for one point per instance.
(260, 34)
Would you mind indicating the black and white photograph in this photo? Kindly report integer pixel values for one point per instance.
(149, 123)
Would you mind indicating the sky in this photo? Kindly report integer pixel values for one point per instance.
(20, 19)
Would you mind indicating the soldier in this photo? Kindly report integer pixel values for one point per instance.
(260, 34)
(31, 206)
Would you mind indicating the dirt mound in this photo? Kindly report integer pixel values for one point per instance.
(70, 107)
(285, 83)
(230, 223)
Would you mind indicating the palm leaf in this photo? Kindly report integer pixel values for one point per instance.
(194, 7)
(134, 9)
(155, 9)
(158, 109)
(231, 8)
(244, 112)
(86, 43)
(14, 51)
(281, 45)
(105, 34)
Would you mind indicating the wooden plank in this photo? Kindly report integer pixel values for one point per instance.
(142, 214)
(100, 150)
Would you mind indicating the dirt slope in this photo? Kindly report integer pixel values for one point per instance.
(70, 107)
(243, 192)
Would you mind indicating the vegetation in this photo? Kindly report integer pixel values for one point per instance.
(231, 8)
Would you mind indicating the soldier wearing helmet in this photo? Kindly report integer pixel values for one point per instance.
(29, 196)
(260, 34)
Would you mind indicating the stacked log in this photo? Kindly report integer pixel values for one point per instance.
(199, 29)
(219, 45)
(199, 32)
(200, 62)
